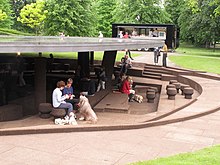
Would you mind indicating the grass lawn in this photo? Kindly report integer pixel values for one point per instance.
(197, 63)
(197, 59)
(196, 51)
(207, 156)
(70, 55)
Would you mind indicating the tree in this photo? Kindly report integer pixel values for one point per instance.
(33, 15)
(199, 23)
(3, 15)
(141, 11)
(5, 12)
(105, 15)
(17, 6)
(174, 9)
(217, 9)
(74, 18)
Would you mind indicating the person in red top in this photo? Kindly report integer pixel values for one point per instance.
(126, 88)
(126, 35)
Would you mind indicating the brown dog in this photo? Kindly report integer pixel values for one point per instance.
(86, 111)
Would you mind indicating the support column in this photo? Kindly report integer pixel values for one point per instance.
(108, 62)
(83, 61)
(40, 81)
(91, 58)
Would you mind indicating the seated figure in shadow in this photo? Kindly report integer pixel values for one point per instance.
(125, 64)
(101, 79)
(87, 86)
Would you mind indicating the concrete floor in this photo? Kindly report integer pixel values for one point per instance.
(119, 146)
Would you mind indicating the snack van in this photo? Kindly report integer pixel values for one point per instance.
(168, 32)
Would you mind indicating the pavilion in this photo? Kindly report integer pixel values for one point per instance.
(85, 46)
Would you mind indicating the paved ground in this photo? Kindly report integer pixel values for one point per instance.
(111, 147)
(148, 57)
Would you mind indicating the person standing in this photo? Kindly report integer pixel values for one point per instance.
(120, 35)
(100, 34)
(164, 50)
(20, 70)
(50, 63)
(156, 55)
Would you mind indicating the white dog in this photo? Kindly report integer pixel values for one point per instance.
(138, 98)
(86, 111)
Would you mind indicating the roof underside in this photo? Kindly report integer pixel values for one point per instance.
(13, 44)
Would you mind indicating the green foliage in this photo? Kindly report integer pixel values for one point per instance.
(33, 15)
(206, 156)
(174, 9)
(105, 15)
(74, 18)
(5, 14)
(140, 11)
(199, 23)
(13, 32)
(184, 21)
(217, 9)
(17, 5)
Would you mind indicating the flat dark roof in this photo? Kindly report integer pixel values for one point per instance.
(12, 44)
(141, 25)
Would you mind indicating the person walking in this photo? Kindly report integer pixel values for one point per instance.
(128, 52)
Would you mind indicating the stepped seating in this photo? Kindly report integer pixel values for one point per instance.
(152, 72)
(156, 72)
(98, 97)
(152, 75)
(164, 74)
(113, 102)
(204, 101)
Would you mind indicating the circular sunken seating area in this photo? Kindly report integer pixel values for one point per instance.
(205, 100)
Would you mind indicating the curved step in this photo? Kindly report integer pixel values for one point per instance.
(206, 103)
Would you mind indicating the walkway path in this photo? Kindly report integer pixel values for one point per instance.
(148, 57)
(111, 147)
